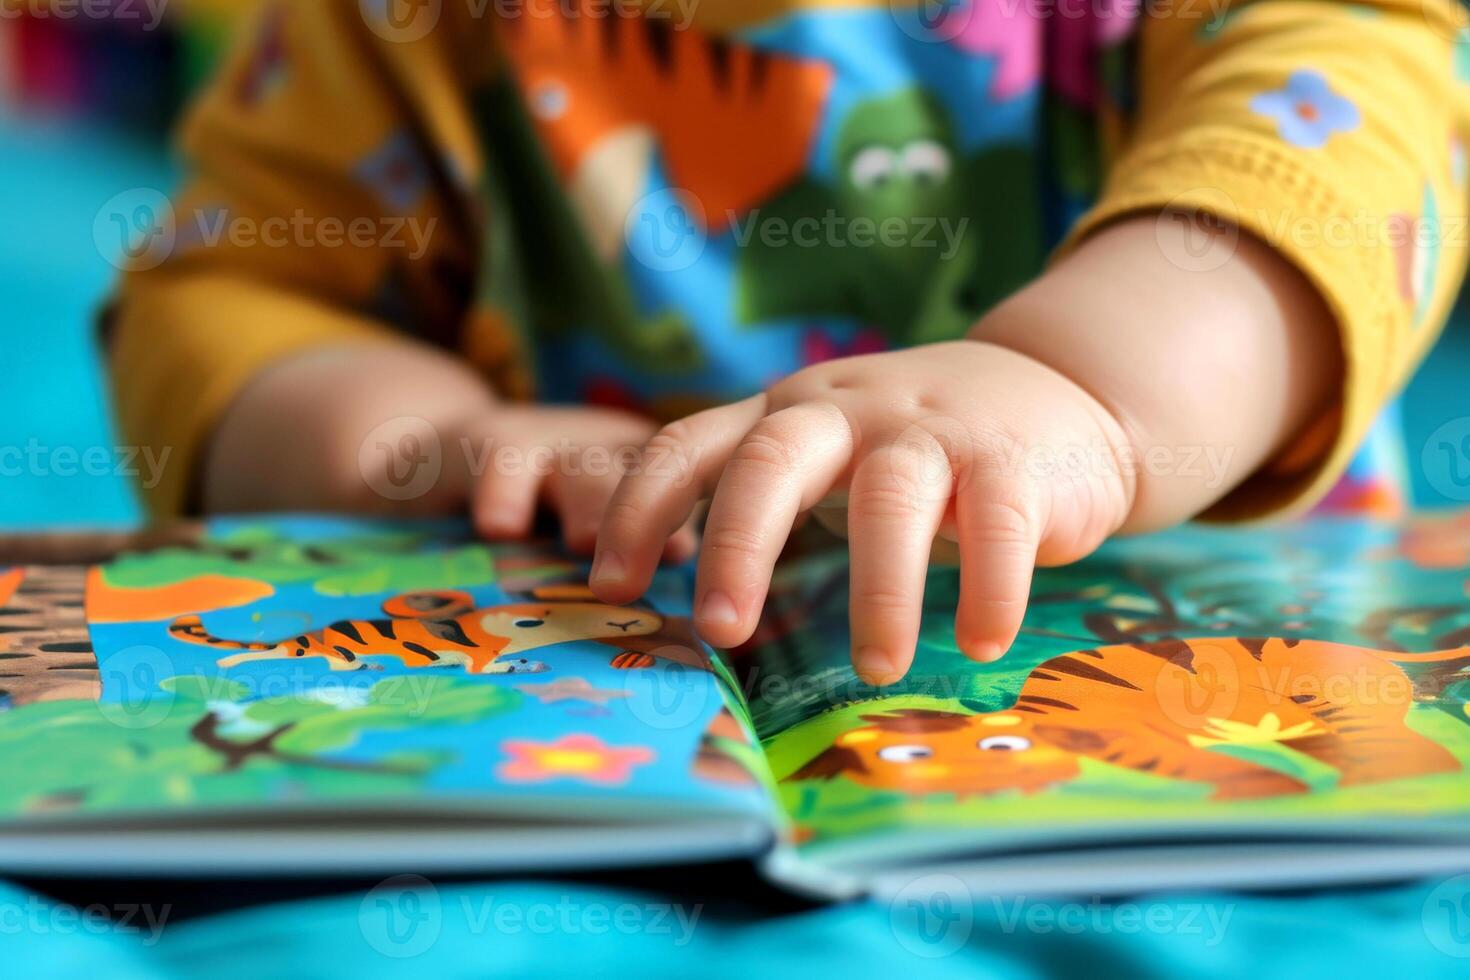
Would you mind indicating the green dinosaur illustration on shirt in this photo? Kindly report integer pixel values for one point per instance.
(913, 239)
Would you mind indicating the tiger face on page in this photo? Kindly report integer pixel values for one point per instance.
(440, 629)
(1162, 708)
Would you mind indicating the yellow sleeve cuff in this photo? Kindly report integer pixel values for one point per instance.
(1228, 184)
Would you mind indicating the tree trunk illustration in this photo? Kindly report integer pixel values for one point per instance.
(45, 648)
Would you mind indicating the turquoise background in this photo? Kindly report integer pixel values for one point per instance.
(52, 278)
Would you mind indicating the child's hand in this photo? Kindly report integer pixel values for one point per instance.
(947, 440)
(1121, 391)
(497, 459)
(571, 458)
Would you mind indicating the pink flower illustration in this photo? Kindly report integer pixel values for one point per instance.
(583, 757)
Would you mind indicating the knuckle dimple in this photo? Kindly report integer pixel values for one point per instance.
(676, 433)
(764, 450)
(729, 540)
(993, 605)
(889, 498)
(884, 599)
(1000, 521)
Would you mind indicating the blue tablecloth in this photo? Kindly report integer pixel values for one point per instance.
(527, 929)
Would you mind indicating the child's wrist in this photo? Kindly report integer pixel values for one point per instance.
(1226, 363)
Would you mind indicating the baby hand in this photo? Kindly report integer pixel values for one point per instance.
(966, 441)
(572, 458)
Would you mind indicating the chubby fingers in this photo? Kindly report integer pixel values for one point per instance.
(999, 526)
(580, 501)
(782, 467)
(679, 467)
(503, 501)
(896, 503)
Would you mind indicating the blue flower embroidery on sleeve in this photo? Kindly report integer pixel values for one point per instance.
(1307, 111)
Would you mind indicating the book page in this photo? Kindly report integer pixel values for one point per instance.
(1310, 679)
(309, 664)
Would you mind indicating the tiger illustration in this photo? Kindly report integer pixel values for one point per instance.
(440, 629)
(1159, 708)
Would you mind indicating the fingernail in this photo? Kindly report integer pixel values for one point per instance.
(609, 567)
(877, 666)
(986, 653)
(495, 522)
(717, 609)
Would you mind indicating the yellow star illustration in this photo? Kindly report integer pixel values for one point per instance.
(1224, 731)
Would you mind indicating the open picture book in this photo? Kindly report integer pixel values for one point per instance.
(316, 695)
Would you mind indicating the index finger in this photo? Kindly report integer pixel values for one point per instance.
(680, 466)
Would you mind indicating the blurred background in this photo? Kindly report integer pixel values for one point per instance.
(89, 92)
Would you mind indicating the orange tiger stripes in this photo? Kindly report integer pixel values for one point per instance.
(439, 629)
(1162, 708)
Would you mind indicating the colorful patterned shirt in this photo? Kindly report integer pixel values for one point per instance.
(666, 204)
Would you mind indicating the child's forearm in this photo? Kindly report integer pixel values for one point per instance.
(1209, 373)
(404, 429)
(332, 429)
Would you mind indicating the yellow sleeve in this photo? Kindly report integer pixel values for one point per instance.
(1334, 132)
(329, 200)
